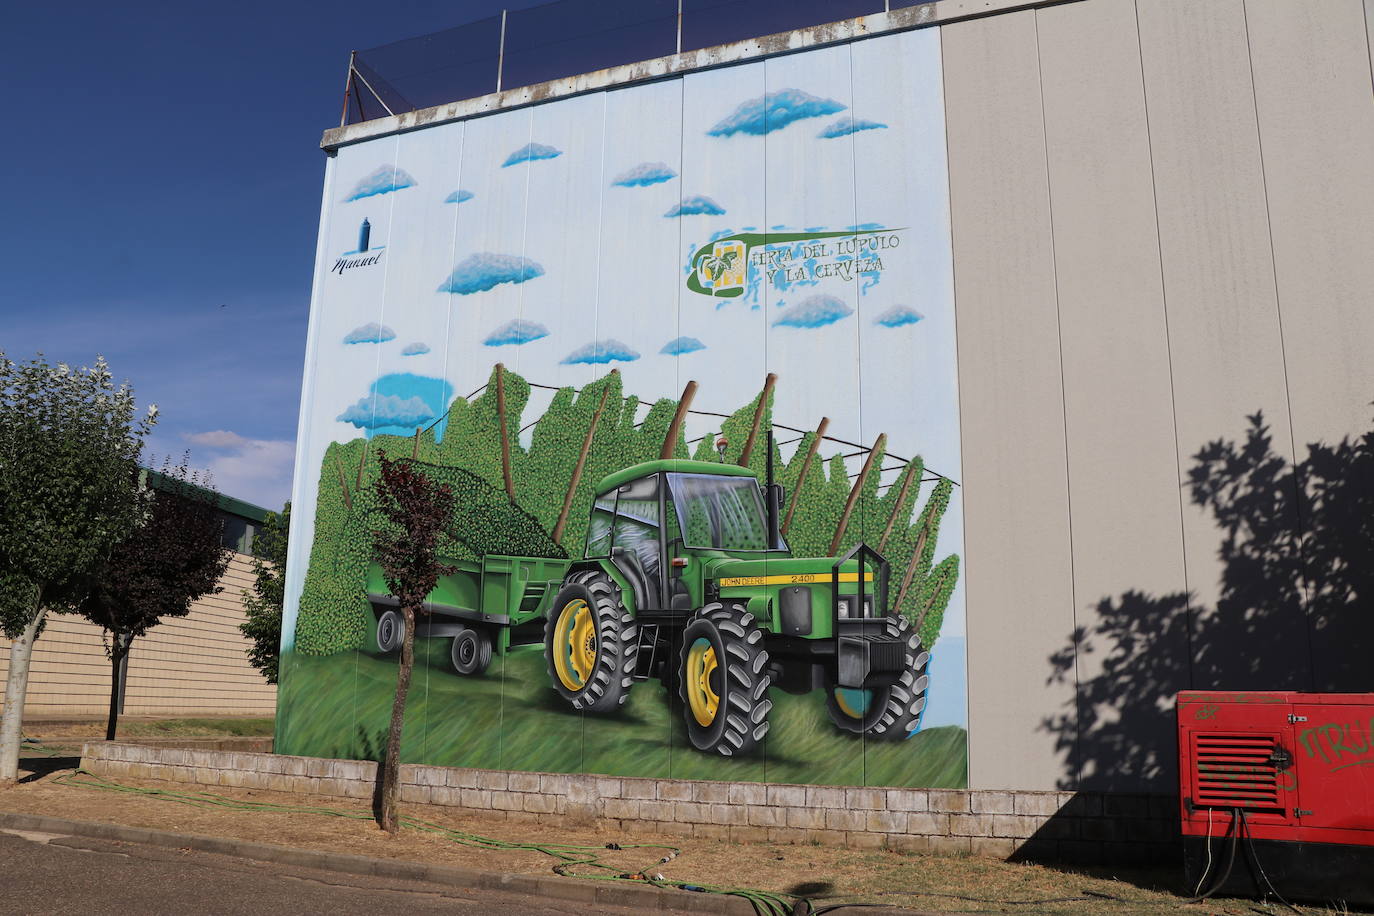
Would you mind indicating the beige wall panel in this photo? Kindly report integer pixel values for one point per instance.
(1227, 358)
(1118, 406)
(1020, 600)
(194, 665)
(1316, 125)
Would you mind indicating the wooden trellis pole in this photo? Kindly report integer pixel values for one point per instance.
(683, 405)
(505, 436)
(934, 594)
(343, 484)
(806, 466)
(581, 463)
(911, 565)
(855, 491)
(901, 498)
(768, 384)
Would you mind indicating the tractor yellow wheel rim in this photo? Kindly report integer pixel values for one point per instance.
(853, 703)
(574, 644)
(701, 697)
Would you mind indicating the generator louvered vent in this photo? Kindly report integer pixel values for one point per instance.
(1236, 771)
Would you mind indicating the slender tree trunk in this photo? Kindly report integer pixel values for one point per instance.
(119, 650)
(11, 725)
(391, 765)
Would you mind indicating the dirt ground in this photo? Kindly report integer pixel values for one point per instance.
(824, 874)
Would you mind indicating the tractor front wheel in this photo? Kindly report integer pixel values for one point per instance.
(590, 642)
(891, 712)
(723, 680)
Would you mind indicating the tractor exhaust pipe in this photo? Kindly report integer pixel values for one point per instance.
(773, 494)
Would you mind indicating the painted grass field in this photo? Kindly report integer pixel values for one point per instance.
(511, 719)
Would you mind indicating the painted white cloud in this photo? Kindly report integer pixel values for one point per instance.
(696, 205)
(458, 196)
(680, 345)
(845, 126)
(372, 332)
(419, 348)
(484, 270)
(897, 316)
(774, 111)
(644, 174)
(382, 180)
(387, 410)
(602, 351)
(813, 312)
(515, 332)
(531, 152)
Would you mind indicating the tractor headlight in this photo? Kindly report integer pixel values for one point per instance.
(849, 607)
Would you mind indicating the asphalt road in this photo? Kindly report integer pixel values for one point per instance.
(43, 873)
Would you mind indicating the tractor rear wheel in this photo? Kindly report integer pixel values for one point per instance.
(471, 651)
(723, 680)
(892, 712)
(590, 642)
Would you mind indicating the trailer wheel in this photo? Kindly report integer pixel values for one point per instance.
(890, 712)
(471, 651)
(723, 680)
(590, 642)
(391, 632)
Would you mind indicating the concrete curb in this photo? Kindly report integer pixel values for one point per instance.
(642, 897)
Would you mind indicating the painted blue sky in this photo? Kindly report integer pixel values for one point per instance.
(171, 200)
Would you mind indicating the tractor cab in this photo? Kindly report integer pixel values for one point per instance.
(661, 524)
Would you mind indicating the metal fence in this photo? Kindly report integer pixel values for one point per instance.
(565, 38)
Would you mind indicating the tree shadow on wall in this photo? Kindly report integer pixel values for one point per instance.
(1293, 611)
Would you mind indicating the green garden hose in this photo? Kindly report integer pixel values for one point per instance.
(573, 861)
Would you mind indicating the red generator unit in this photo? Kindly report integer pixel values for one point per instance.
(1276, 794)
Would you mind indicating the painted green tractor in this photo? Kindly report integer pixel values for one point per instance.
(685, 578)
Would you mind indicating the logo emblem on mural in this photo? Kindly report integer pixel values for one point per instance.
(737, 264)
(365, 255)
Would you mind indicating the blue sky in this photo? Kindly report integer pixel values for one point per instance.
(164, 202)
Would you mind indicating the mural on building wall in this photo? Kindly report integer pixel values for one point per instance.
(685, 354)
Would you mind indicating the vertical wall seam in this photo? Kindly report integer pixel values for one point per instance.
(1188, 608)
(1076, 763)
(971, 733)
(1299, 490)
(1369, 52)
(858, 333)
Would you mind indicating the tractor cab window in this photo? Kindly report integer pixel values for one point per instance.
(637, 523)
(725, 513)
(599, 532)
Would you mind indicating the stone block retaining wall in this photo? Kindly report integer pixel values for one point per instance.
(1045, 826)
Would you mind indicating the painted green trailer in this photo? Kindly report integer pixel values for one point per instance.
(684, 577)
(483, 607)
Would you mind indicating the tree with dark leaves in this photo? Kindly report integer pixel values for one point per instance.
(175, 557)
(419, 511)
(262, 606)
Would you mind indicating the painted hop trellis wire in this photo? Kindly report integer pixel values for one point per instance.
(535, 501)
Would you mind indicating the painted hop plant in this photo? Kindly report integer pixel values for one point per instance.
(716, 266)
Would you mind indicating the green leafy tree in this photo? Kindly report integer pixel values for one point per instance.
(70, 441)
(262, 606)
(174, 557)
(419, 510)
